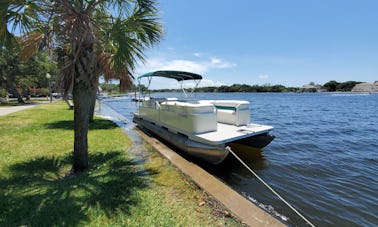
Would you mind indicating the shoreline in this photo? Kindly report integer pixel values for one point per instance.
(233, 201)
(118, 188)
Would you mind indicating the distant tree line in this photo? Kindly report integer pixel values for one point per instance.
(248, 88)
(238, 88)
(111, 88)
(336, 86)
(330, 86)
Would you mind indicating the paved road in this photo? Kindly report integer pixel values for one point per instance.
(11, 109)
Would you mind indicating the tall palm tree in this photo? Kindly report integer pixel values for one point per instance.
(97, 37)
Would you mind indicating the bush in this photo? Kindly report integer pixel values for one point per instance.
(3, 93)
(44, 92)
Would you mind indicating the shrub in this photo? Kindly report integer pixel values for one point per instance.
(44, 92)
(3, 93)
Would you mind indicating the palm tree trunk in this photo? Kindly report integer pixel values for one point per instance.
(82, 102)
(93, 102)
(82, 96)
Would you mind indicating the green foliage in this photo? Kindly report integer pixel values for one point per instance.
(43, 92)
(346, 86)
(239, 88)
(109, 88)
(3, 92)
(25, 75)
(336, 86)
(114, 88)
(331, 85)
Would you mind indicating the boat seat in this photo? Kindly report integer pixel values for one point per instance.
(188, 117)
(234, 112)
(150, 108)
(188, 107)
(152, 102)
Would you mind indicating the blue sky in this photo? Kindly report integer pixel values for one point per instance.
(288, 42)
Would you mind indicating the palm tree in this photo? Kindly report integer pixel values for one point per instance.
(94, 39)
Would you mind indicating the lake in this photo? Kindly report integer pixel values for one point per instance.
(324, 159)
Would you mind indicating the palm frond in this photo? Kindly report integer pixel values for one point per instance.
(18, 18)
(31, 44)
(121, 41)
(34, 42)
(131, 36)
(104, 61)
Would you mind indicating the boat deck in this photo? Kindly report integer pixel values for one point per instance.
(227, 133)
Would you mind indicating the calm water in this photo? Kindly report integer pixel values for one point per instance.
(324, 159)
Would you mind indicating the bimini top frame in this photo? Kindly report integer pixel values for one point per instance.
(180, 76)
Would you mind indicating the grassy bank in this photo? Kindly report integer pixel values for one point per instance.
(35, 151)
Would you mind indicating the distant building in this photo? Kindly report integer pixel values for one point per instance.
(366, 87)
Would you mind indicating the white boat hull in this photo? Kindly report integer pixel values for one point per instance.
(214, 154)
(209, 152)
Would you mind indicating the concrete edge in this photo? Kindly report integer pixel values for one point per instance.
(246, 211)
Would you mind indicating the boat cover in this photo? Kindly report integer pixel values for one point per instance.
(177, 75)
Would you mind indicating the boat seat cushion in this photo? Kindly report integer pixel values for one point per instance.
(151, 101)
(187, 107)
(237, 104)
(186, 117)
(234, 112)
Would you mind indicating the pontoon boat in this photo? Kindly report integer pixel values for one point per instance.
(201, 128)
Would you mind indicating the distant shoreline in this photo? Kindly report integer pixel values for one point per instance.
(295, 92)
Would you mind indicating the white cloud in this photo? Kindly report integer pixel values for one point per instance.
(210, 83)
(196, 66)
(221, 64)
(263, 77)
(198, 55)
(199, 67)
(179, 64)
(216, 61)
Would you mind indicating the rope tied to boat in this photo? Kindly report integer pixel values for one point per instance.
(269, 187)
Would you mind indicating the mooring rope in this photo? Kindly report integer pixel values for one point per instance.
(270, 188)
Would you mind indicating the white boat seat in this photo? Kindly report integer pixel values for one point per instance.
(187, 107)
(188, 117)
(234, 112)
(150, 108)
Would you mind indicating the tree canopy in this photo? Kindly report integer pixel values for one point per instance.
(24, 76)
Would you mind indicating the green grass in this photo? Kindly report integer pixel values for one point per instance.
(35, 150)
